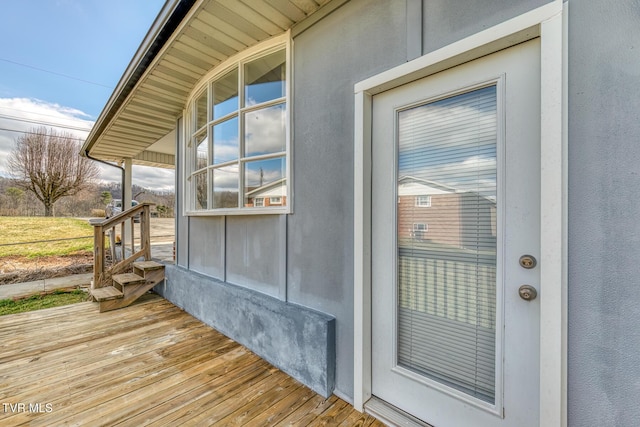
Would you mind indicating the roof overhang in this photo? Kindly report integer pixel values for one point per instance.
(187, 39)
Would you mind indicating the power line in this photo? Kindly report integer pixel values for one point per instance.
(34, 133)
(18, 119)
(32, 112)
(56, 73)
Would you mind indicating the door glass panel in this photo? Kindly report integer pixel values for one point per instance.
(446, 234)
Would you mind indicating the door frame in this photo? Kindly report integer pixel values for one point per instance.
(549, 23)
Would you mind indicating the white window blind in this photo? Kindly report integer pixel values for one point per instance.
(447, 278)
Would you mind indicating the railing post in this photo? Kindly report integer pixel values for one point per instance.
(132, 236)
(145, 232)
(98, 255)
(99, 226)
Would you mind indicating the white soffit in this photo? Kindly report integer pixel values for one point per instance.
(211, 31)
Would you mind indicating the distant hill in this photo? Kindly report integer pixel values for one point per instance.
(17, 202)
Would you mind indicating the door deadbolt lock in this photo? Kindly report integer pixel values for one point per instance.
(527, 292)
(528, 261)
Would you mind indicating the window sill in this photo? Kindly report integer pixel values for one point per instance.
(238, 212)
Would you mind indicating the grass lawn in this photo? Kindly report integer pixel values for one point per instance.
(30, 229)
(37, 302)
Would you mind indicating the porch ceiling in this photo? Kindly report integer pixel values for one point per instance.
(187, 40)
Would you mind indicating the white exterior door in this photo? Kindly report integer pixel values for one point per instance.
(455, 205)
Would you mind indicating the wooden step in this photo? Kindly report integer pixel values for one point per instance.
(148, 265)
(125, 279)
(107, 293)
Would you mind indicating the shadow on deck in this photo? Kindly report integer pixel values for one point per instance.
(148, 364)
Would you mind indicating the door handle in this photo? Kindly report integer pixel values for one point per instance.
(527, 292)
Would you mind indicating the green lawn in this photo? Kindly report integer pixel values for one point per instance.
(30, 229)
(38, 302)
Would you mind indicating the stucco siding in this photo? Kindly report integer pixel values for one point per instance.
(207, 246)
(306, 258)
(360, 39)
(182, 222)
(256, 253)
(604, 231)
(447, 21)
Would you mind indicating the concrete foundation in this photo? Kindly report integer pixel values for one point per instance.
(295, 339)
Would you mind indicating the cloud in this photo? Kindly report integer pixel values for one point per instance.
(19, 115)
(474, 173)
(157, 179)
(452, 141)
(265, 131)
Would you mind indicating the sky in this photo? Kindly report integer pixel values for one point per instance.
(59, 63)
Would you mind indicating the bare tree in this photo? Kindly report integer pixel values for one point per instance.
(47, 163)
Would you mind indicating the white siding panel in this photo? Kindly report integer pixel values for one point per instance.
(253, 16)
(307, 6)
(177, 70)
(231, 23)
(289, 9)
(269, 12)
(147, 117)
(138, 105)
(167, 75)
(219, 36)
(199, 50)
(164, 89)
(193, 61)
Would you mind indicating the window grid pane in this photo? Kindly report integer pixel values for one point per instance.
(246, 144)
(202, 150)
(225, 187)
(225, 95)
(265, 78)
(265, 131)
(201, 191)
(226, 144)
(201, 110)
(264, 179)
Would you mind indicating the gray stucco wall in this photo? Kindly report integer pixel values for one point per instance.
(306, 258)
(447, 21)
(182, 223)
(359, 40)
(604, 212)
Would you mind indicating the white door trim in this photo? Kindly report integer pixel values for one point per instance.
(548, 23)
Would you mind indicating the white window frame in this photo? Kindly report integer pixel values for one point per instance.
(423, 201)
(420, 226)
(258, 199)
(548, 22)
(187, 148)
(276, 200)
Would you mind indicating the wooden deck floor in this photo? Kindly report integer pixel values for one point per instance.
(148, 364)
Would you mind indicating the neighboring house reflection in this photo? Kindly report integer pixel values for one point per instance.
(437, 213)
(272, 194)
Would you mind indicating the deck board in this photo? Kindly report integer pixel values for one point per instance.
(148, 364)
